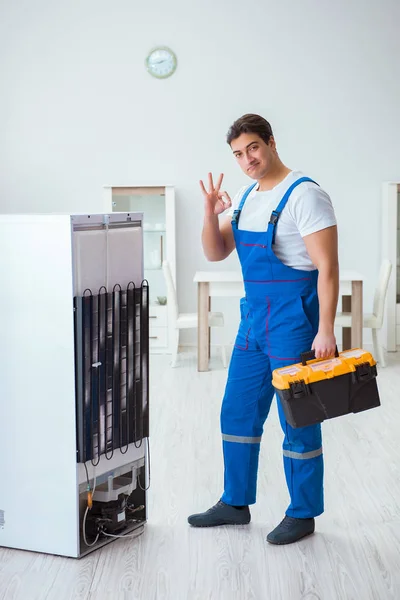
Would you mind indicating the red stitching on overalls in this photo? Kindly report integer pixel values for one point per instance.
(247, 342)
(276, 280)
(267, 338)
(254, 245)
(267, 322)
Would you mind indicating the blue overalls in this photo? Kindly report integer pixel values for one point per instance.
(279, 320)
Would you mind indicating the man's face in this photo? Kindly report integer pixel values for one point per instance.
(254, 156)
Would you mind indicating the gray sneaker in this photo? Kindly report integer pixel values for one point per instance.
(291, 530)
(221, 514)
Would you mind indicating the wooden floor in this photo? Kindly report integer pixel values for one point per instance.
(355, 554)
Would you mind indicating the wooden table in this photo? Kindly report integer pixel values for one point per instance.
(230, 284)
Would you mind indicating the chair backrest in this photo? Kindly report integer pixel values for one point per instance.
(381, 290)
(173, 310)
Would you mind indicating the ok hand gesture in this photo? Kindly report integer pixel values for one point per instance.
(215, 201)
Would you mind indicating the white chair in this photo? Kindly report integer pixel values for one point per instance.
(373, 321)
(186, 320)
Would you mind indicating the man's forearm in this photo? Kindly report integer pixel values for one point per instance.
(328, 292)
(213, 243)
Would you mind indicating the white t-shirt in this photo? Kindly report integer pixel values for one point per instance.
(308, 210)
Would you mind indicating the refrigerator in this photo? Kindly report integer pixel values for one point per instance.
(74, 370)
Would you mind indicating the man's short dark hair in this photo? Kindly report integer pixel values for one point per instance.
(250, 124)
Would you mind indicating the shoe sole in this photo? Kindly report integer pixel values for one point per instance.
(217, 525)
(292, 541)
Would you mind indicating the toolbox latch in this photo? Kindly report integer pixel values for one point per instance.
(299, 389)
(364, 372)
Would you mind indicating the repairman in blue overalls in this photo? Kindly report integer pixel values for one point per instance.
(283, 227)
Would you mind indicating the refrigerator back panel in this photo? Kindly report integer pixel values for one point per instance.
(90, 259)
(124, 256)
(108, 250)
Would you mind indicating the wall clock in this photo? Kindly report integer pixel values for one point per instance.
(161, 62)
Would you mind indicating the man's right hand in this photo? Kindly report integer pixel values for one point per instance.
(215, 201)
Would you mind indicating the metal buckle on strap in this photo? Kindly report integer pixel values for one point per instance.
(274, 217)
(235, 218)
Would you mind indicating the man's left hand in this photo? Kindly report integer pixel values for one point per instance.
(324, 345)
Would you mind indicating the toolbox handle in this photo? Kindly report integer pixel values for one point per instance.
(310, 355)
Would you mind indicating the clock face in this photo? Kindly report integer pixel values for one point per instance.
(161, 62)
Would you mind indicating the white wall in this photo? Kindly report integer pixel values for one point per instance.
(78, 110)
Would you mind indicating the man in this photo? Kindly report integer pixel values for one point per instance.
(284, 229)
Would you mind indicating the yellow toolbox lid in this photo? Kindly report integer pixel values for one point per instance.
(320, 369)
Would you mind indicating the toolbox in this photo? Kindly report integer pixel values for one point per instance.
(318, 389)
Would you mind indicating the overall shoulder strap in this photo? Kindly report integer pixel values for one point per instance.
(277, 212)
(246, 193)
(236, 213)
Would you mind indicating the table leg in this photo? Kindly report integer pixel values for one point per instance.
(357, 314)
(202, 330)
(346, 331)
(209, 329)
